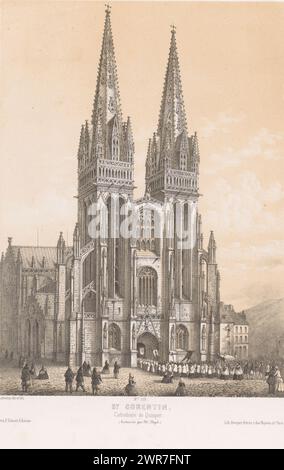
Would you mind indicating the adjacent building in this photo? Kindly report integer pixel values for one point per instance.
(234, 332)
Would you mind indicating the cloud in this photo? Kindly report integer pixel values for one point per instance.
(263, 145)
(222, 123)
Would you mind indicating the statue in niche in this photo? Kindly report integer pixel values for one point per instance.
(105, 336)
(133, 337)
(172, 346)
(203, 338)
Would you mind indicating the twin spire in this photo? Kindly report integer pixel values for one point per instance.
(107, 98)
(172, 119)
(110, 138)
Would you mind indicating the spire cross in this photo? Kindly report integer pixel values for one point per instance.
(173, 28)
(108, 8)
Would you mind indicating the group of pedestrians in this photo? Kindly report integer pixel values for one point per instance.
(249, 370)
(218, 369)
(168, 371)
(275, 381)
(85, 370)
(29, 373)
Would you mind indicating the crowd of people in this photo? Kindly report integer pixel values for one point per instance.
(85, 370)
(168, 371)
(96, 378)
(193, 370)
(223, 370)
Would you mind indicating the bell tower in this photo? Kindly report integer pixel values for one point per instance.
(105, 184)
(172, 164)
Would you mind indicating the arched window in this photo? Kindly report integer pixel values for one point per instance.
(185, 216)
(115, 148)
(114, 337)
(99, 151)
(147, 282)
(90, 302)
(152, 224)
(147, 222)
(115, 143)
(60, 341)
(182, 338)
(183, 161)
(203, 275)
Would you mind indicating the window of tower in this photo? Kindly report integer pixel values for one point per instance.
(152, 224)
(183, 275)
(147, 287)
(115, 148)
(185, 217)
(99, 151)
(114, 337)
(182, 337)
(182, 161)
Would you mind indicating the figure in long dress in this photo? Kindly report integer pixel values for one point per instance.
(279, 385)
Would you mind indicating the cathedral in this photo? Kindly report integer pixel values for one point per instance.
(110, 296)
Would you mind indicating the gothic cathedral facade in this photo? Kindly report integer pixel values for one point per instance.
(113, 297)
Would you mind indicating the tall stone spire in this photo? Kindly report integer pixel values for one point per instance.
(171, 148)
(107, 117)
(60, 249)
(195, 155)
(172, 119)
(212, 249)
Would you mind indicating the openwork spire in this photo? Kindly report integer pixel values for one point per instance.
(106, 110)
(172, 119)
(171, 149)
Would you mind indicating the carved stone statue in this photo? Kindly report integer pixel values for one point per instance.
(133, 337)
(105, 336)
(172, 345)
(203, 338)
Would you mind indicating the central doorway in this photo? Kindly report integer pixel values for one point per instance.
(147, 344)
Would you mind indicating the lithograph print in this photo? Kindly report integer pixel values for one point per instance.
(142, 232)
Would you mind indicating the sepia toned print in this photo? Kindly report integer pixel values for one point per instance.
(133, 305)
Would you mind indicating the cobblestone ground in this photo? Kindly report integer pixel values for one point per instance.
(147, 385)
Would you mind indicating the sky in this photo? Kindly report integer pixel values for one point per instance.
(232, 68)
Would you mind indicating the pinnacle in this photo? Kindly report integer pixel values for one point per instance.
(172, 119)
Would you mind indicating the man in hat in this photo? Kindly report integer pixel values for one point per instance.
(69, 376)
(271, 380)
(96, 381)
(80, 379)
(26, 378)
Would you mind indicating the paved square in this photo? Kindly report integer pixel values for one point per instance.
(147, 384)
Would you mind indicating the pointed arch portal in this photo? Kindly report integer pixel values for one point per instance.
(146, 344)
